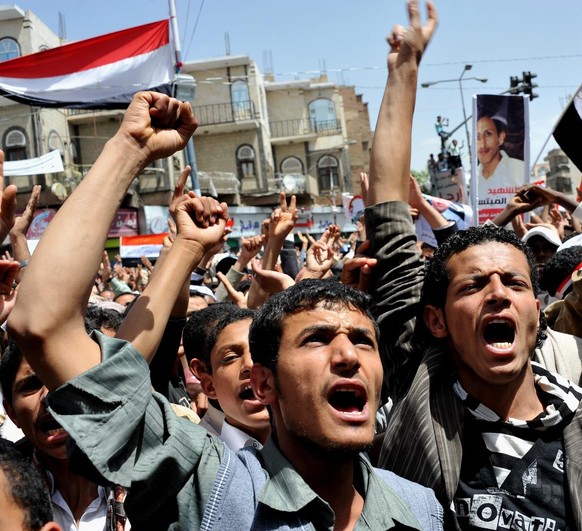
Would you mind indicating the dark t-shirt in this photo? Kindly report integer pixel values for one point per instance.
(499, 490)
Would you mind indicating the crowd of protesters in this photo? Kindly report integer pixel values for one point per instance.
(344, 382)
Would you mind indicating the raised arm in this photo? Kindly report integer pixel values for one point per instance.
(281, 224)
(390, 158)
(200, 222)
(398, 275)
(20, 228)
(47, 323)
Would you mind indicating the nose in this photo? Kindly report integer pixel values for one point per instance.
(345, 357)
(43, 396)
(247, 362)
(498, 291)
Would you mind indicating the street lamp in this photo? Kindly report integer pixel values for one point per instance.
(460, 82)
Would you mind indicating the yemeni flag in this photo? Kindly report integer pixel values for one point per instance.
(568, 130)
(99, 73)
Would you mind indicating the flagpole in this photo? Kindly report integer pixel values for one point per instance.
(176, 35)
(189, 149)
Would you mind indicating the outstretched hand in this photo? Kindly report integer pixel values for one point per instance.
(22, 223)
(409, 43)
(283, 219)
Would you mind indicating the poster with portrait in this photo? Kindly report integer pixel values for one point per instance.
(500, 155)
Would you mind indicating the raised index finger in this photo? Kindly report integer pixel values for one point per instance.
(283, 202)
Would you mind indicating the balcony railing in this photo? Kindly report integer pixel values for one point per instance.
(225, 113)
(304, 126)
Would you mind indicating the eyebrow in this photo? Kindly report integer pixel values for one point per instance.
(481, 275)
(322, 328)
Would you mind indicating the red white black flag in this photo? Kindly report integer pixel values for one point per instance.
(99, 73)
(568, 130)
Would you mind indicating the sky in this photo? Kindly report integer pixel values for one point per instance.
(346, 39)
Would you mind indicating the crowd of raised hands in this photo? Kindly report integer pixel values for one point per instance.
(267, 263)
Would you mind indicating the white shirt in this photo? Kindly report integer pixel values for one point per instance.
(94, 517)
(236, 439)
(508, 173)
(215, 423)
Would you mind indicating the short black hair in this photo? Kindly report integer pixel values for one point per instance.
(559, 267)
(204, 326)
(10, 362)
(97, 318)
(436, 282)
(266, 329)
(25, 487)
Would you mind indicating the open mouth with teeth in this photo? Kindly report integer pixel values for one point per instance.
(499, 334)
(247, 394)
(347, 401)
(49, 426)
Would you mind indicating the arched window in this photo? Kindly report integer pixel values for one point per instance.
(292, 165)
(327, 173)
(245, 161)
(55, 143)
(14, 144)
(9, 49)
(322, 114)
(241, 104)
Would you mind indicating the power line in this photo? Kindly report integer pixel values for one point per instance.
(195, 26)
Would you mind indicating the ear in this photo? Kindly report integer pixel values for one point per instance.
(263, 384)
(198, 367)
(434, 319)
(501, 138)
(10, 412)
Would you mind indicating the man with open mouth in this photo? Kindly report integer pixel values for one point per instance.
(497, 436)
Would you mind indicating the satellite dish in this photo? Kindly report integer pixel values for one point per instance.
(289, 183)
(59, 190)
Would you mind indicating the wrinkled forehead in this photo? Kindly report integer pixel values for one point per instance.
(335, 307)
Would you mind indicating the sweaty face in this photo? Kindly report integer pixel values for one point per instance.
(30, 414)
(329, 377)
(231, 365)
(491, 316)
(489, 142)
